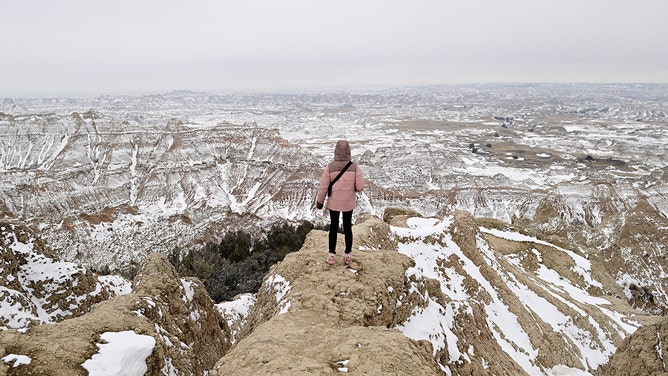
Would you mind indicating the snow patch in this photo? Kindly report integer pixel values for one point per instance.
(343, 365)
(17, 359)
(281, 287)
(189, 290)
(582, 264)
(122, 353)
(18, 309)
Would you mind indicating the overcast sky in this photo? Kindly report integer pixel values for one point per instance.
(90, 47)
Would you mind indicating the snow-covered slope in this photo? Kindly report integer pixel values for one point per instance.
(549, 309)
(107, 193)
(476, 296)
(107, 180)
(36, 288)
(165, 325)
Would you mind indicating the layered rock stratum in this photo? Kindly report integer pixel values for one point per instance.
(127, 176)
(108, 193)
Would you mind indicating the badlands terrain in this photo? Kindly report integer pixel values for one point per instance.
(536, 213)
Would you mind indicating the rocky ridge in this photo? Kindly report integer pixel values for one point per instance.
(313, 318)
(642, 353)
(472, 297)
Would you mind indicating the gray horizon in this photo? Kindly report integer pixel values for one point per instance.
(80, 48)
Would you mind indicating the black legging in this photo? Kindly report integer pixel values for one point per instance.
(334, 228)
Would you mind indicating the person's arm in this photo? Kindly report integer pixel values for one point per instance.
(325, 179)
(359, 180)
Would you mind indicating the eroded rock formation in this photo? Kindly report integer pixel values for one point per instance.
(474, 296)
(424, 295)
(190, 334)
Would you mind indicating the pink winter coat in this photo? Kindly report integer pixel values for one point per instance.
(343, 191)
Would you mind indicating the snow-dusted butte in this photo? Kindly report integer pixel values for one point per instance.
(106, 193)
(108, 180)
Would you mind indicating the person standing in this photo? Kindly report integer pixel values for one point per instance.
(340, 180)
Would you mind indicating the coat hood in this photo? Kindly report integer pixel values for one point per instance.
(342, 151)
